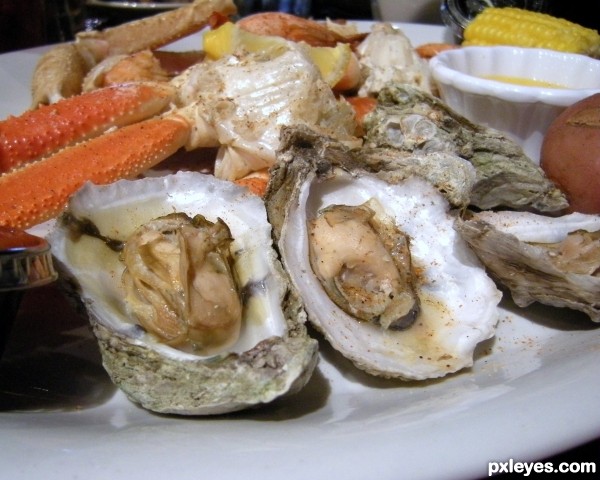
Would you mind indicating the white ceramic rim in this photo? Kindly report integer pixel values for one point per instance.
(443, 73)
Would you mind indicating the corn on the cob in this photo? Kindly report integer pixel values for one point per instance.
(525, 28)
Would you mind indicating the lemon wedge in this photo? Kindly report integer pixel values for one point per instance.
(228, 38)
(334, 63)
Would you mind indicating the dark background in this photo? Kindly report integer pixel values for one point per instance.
(30, 23)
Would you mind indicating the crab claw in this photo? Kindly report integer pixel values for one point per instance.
(297, 29)
(39, 191)
(60, 71)
(45, 130)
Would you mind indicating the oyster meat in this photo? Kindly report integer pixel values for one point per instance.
(180, 284)
(382, 272)
(411, 120)
(190, 306)
(551, 260)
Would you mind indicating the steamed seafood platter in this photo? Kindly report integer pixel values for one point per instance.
(343, 202)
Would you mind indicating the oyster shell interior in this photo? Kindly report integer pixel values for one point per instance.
(271, 355)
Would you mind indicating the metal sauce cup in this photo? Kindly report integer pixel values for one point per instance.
(25, 262)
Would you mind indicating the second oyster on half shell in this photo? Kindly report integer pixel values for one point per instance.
(381, 270)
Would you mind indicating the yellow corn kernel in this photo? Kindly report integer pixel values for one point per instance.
(525, 28)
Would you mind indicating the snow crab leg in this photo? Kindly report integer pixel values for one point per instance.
(39, 191)
(49, 128)
(60, 72)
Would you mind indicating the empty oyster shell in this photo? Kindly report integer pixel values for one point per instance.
(551, 260)
(386, 55)
(267, 355)
(448, 306)
(411, 120)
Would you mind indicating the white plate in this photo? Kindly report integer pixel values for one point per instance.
(534, 391)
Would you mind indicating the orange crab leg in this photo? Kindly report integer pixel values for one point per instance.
(256, 181)
(45, 130)
(430, 50)
(295, 28)
(160, 29)
(39, 191)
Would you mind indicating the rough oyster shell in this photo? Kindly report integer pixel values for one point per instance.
(411, 120)
(458, 301)
(386, 55)
(523, 251)
(273, 355)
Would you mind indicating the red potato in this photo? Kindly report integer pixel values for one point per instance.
(570, 154)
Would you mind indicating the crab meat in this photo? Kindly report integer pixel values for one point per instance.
(388, 56)
(241, 103)
(238, 103)
(60, 72)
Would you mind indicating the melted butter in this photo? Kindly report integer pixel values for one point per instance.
(526, 82)
(426, 341)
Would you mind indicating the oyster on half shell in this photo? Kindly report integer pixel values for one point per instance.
(551, 260)
(381, 270)
(194, 244)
